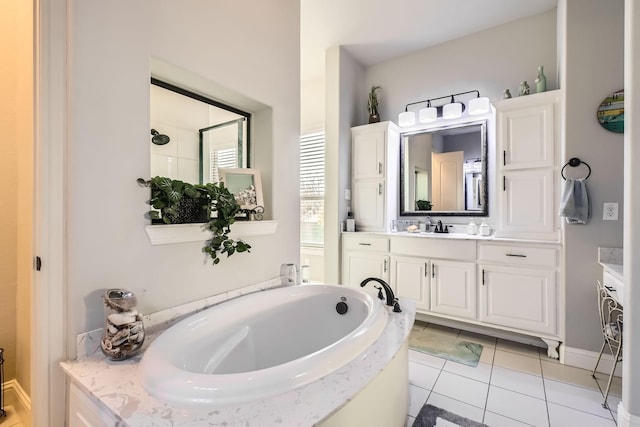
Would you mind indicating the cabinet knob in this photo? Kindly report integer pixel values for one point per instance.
(380, 168)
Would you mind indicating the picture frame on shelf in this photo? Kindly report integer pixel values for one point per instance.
(245, 184)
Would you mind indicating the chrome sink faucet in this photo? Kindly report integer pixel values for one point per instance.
(391, 299)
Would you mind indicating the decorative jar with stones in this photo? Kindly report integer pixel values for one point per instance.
(123, 334)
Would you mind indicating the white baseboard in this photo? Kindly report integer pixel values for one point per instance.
(15, 395)
(625, 419)
(587, 360)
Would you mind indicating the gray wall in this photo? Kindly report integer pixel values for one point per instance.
(489, 61)
(592, 68)
(251, 60)
(344, 89)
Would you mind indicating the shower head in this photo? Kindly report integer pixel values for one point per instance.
(159, 139)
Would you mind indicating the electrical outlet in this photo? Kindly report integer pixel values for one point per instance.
(610, 211)
(347, 194)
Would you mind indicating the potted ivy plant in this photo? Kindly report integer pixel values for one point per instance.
(177, 202)
(372, 105)
(423, 205)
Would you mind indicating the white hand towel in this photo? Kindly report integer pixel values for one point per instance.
(574, 205)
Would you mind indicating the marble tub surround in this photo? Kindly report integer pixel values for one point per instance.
(89, 342)
(611, 260)
(610, 255)
(118, 390)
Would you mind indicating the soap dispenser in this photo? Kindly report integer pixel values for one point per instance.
(472, 228)
(485, 229)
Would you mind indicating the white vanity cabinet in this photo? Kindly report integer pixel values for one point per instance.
(501, 284)
(85, 411)
(519, 289)
(434, 273)
(527, 137)
(411, 279)
(363, 256)
(453, 288)
(375, 154)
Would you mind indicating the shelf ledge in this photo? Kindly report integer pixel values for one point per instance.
(181, 233)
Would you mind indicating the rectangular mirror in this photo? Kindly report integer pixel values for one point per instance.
(443, 171)
(192, 136)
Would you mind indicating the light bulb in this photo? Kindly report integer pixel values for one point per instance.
(407, 118)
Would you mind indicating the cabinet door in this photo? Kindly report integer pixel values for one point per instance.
(411, 280)
(359, 266)
(369, 205)
(368, 154)
(453, 288)
(519, 298)
(85, 412)
(527, 202)
(527, 136)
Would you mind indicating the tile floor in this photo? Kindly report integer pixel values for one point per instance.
(12, 419)
(513, 385)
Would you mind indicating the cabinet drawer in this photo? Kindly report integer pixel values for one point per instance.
(365, 243)
(613, 283)
(433, 247)
(519, 255)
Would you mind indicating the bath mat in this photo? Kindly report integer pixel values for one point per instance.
(465, 352)
(430, 416)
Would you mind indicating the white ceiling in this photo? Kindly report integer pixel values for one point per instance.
(375, 31)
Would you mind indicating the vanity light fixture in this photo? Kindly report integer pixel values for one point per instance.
(452, 110)
(479, 105)
(428, 114)
(407, 118)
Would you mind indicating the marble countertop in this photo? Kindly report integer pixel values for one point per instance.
(451, 235)
(616, 270)
(611, 261)
(117, 388)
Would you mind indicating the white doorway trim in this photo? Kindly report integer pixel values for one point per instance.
(48, 289)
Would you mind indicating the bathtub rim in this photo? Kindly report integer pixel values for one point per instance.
(202, 390)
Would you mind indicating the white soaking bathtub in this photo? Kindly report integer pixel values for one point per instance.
(261, 345)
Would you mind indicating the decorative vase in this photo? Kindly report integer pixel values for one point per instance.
(374, 118)
(506, 94)
(123, 334)
(541, 81)
(523, 89)
(189, 211)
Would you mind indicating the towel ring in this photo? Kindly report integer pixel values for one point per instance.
(573, 162)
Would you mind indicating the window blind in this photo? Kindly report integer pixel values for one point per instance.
(312, 189)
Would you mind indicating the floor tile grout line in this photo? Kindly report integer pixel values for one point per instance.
(511, 418)
(599, 389)
(544, 391)
(457, 400)
(584, 412)
(486, 398)
(544, 387)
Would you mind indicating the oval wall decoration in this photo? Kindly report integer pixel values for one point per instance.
(611, 112)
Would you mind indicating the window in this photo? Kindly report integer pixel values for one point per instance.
(223, 158)
(312, 189)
